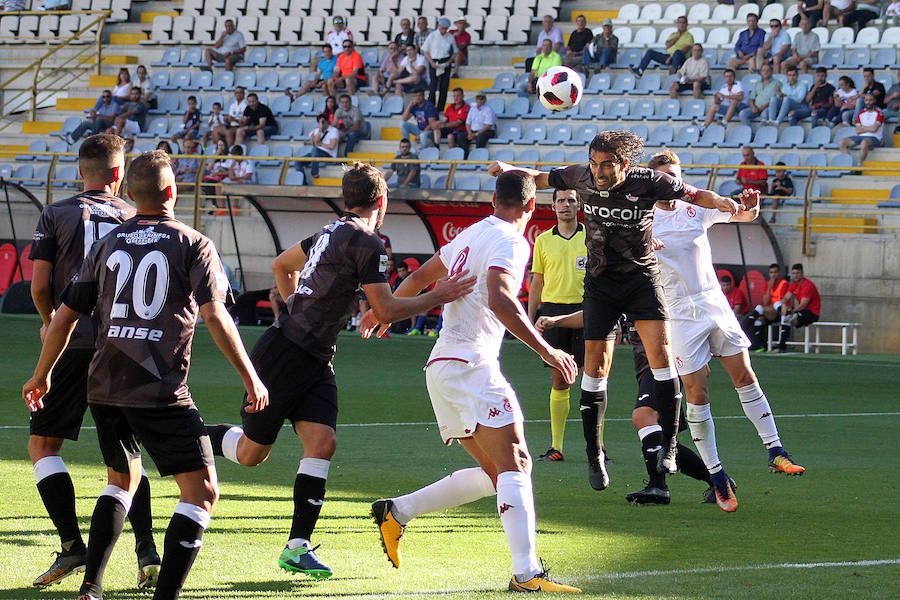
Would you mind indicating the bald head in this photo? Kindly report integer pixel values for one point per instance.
(151, 181)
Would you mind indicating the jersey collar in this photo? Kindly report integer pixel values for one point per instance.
(578, 228)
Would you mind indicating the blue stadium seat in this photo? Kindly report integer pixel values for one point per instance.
(440, 183)
(35, 146)
(748, 82)
(558, 135)
(467, 183)
(889, 204)
(819, 137)
(856, 58)
(393, 105)
(293, 177)
(303, 106)
(518, 107)
(790, 159)
(623, 84)
(707, 158)
(255, 56)
(590, 108)
(694, 108)
(68, 126)
(664, 88)
(885, 58)
(521, 80)
(278, 57)
(583, 135)
(669, 108)
(816, 160)
(618, 108)
(831, 57)
(22, 173)
(497, 104)
(538, 111)
(640, 130)
(290, 81)
(502, 82)
(291, 129)
(40, 175)
(177, 80)
(729, 188)
(739, 135)
(265, 81)
(713, 136)
(57, 146)
(191, 57)
(259, 150)
(840, 134)
(684, 156)
(284, 151)
(169, 58)
(156, 128)
(895, 192)
(534, 133)
(200, 81)
(504, 155)
(300, 57)
(661, 135)
(509, 133)
(247, 79)
(733, 158)
(628, 58)
(554, 158)
(791, 136)
(766, 136)
(268, 176)
(223, 80)
(576, 156)
(456, 153)
(489, 184)
(430, 154)
(280, 105)
(370, 105)
(370, 57)
(66, 176)
(641, 109)
(597, 84)
(649, 84)
(530, 157)
(482, 154)
(159, 79)
(838, 160)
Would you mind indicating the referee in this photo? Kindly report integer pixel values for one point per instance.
(557, 287)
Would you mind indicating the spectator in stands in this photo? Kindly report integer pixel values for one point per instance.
(235, 114)
(892, 99)
(190, 123)
(728, 101)
(892, 13)
(386, 240)
(863, 12)
(678, 45)
(789, 97)
(217, 169)
(836, 9)
(148, 94)
(693, 75)
(453, 124)
(602, 49)
(462, 39)
(121, 92)
(337, 36)
(101, 117)
(389, 66)
(805, 48)
(188, 167)
(781, 186)
(320, 72)
(760, 101)
(869, 129)
(844, 102)
(809, 9)
(240, 170)
(13, 5)
(229, 48)
(752, 179)
(748, 44)
(800, 306)
(422, 32)
(129, 145)
(350, 72)
(543, 61)
(775, 49)
(548, 32)
(406, 37)
(258, 119)
(769, 310)
(737, 298)
(167, 148)
(819, 101)
(870, 86)
(331, 106)
(480, 123)
(324, 141)
(131, 120)
(407, 173)
(218, 129)
(439, 49)
(412, 75)
(578, 39)
(425, 114)
(350, 123)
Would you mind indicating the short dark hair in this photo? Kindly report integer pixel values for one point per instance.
(791, 68)
(362, 186)
(145, 177)
(100, 153)
(347, 96)
(666, 157)
(556, 191)
(405, 141)
(728, 71)
(775, 266)
(869, 70)
(797, 267)
(726, 277)
(623, 145)
(219, 104)
(194, 98)
(515, 189)
(754, 15)
(847, 80)
(237, 150)
(252, 95)
(458, 89)
(821, 70)
(321, 116)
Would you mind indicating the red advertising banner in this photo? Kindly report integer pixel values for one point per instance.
(448, 219)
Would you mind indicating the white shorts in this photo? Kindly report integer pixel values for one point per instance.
(131, 127)
(703, 329)
(465, 395)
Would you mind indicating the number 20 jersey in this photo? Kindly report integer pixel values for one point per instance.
(146, 281)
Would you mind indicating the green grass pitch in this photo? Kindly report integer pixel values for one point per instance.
(844, 510)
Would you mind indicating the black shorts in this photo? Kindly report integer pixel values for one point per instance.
(174, 437)
(805, 317)
(301, 388)
(564, 338)
(645, 398)
(66, 402)
(638, 294)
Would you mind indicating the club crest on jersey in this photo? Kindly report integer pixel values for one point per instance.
(631, 197)
(142, 237)
(691, 212)
(580, 263)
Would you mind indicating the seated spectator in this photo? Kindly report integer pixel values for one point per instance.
(229, 48)
(819, 100)
(425, 114)
(101, 118)
(217, 168)
(439, 50)
(602, 49)
(808, 9)
(463, 39)
(406, 37)
(13, 5)
(543, 61)
(132, 118)
(892, 99)
(769, 310)
(167, 148)
(453, 124)
(870, 86)
(775, 49)
(349, 73)
(331, 106)
(790, 96)
(578, 39)
(480, 124)
(844, 102)
(678, 45)
(148, 94)
(760, 102)
(218, 129)
(240, 170)
(235, 114)
(548, 31)
(190, 128)
(863, 12)
(781, 186)
(422, 32)
(737, 298)
(748, 44)
(129, 145)
(800, 306)
(407, 173)
(892, 13)
(337, 36)
(350, 123)
(324, 140)
(386, 240)
(188, 167)
(320, 72)
(694, 75)
(869, 130)
(121, 92)
(752, 179)
(836, 9)
(258, 119)
(389, 66)
(412, 75)
(728, 101)
(804, 49)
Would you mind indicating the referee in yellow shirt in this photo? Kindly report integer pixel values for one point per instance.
(557, 287)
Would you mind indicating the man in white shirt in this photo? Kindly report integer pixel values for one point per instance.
(869, 129)
(728, 101)
(235, 112)
(549, 32)
(694, 74)
(337, 36)
(412, 76)
(472, 400)
(324, 140)
(439, 49)
(229, 48)
(480, 123)
(775, 49)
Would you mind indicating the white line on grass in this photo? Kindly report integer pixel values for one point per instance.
(811, 565)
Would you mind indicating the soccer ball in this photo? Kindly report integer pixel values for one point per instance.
(559, 88)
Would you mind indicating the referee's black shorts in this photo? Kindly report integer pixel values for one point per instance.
(66, 402)
(564, 338)
(637, 294)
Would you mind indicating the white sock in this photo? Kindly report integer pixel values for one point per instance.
(195, 513)
(230, 443)
(703, 431)
(119, 494)
(594, 384)
(515, 503)
(314, 467)
(456, 489)
(645, 431)
(756, 407)
(295, 543)
(759, 309)
(47, 466)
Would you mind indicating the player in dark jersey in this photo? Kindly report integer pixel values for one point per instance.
(622, 275)
(147, 281)
(64, 235)
(318, 279)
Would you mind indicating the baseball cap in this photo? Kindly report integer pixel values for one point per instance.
(443, 22)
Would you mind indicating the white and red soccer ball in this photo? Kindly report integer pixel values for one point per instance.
(560, 88)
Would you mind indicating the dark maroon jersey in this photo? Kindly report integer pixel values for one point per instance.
(146, 281)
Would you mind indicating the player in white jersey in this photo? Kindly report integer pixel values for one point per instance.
(472, 400)
(703, 326)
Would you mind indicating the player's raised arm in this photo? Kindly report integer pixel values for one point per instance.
(541, 178)
(286, 268)
(387, 308)
(55, 341)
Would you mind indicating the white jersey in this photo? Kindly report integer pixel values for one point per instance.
(471, 331)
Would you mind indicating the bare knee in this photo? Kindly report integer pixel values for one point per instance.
(695, 390)
(644, 416)
(522, 459)
(41, 447)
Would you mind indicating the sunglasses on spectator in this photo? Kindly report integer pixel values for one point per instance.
(348, 45)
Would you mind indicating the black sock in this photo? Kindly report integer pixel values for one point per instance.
(668, 401)
(58, 495)
(651, 446)
(142, 520)
(759, 332)
(593, 407)
(216, 433)
(309, 493)
(184, 537)
(692, 465)
(784, 336)
(106, 525)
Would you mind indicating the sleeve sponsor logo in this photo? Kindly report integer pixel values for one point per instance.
(382, 263)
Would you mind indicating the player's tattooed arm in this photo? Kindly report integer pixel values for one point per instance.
(286, 268)
(541, 178)
(55, 341)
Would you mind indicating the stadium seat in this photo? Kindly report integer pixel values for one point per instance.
(247, 79)
(70, 124)
(618, 108)
(641, 109)
(553, 158)
(839, 160)
(842, 37)
(265, 81)
(840, 134)
(650, 13)
(300, 57)
(623, 84)
(713, 136)
(538, 111)
(530, 157)
(739, 135)
(278, 57)
(583, 135)
(439, 183)
(255, 57)
(649, 84)
(393, 105)
(291, 129)
(589, 109)
(707, 158)
(722, 13)
(35, 146)
(482, 154)
(467, 183)
(509, 133)
(597, 83)
(558, 135)
(521, 80)
(663, 89)
(430, 154)
(885, 58)
(740, 18)
(156, 128)
(179, 80)
(627, 58)
(693, 109)
(200, 81)
(281, 105)
(661, 135)
(729, 188)
(259, 151)
(831, 57)
(169, 58)
(502, 82)
(766, 136)
(370, 105)
(667, 109)
(687, 136)
(57, 146)
(818, 137)
(790, 137)
(719, 37)
(293, 177)
(534, 133)
(628, 13)
(644, 37)
(166, 105)
(504, 155)
(640, 130)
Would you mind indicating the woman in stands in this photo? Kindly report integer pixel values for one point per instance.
(123, 88)
(331, 105)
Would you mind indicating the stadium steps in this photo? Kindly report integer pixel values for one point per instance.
(867, 197)
(76, 104)
(113, 59)
(881, 163)
(147, 16)
(841, 224)
(41, 127)
(126, 39)
(102, 81)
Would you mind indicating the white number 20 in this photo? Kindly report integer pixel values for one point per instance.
(121, 262)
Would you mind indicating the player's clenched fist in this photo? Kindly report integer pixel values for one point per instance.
(33, 391)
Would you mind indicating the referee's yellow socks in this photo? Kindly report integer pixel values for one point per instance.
(559, 412)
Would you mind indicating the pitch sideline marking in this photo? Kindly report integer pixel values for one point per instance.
(724, 569)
